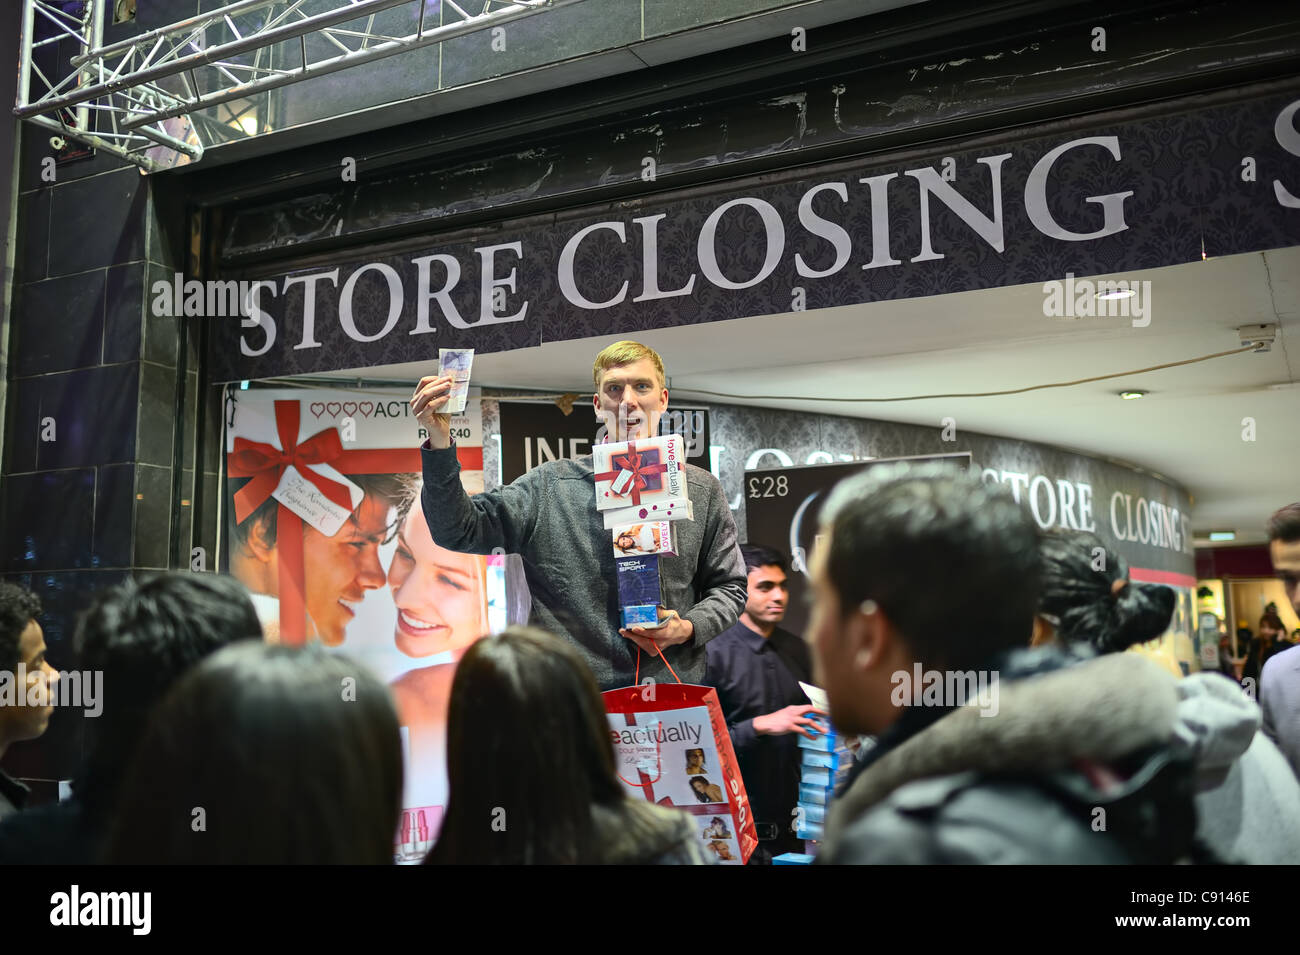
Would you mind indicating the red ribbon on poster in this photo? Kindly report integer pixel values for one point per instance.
(631, 461)
(265, 464)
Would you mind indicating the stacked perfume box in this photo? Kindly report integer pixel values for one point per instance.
(824, 762)
(643, 480)
(641, 490)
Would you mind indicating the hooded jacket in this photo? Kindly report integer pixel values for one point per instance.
(1247, 800)
(1078, 765)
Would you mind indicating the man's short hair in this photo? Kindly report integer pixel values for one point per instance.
(625, 353)
(1284, 525)
(756, 556)
(18, 608)
(953, 563)
(398, 489)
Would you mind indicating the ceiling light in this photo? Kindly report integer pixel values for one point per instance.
(1130, 395)
(1222, 536)
(248, 124)
(1117, 293)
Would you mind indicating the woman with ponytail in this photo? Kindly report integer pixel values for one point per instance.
(1246, 792)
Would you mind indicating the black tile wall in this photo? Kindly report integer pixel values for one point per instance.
(22, 429)
(124, 305)
(104, 213)
(33, 226)
(160, 329)
(157, 414)
(48, 518)
(114, 515)
(59, 324)
(153, 488)
(94, 415)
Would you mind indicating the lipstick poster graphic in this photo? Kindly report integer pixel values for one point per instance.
(323, 524)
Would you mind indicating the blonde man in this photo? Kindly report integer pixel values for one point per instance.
(548, 516)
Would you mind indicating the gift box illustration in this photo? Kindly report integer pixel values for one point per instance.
(648, 473)
(304, 469)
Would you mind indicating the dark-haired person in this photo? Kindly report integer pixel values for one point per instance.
(292, 754)
(926, 571)
(1270, 640)
(1279, 681)
(756, 667)
(531, 766)
(337, 571)
(23, 666)
(1246, 794)
(549, 518)
(143, 636)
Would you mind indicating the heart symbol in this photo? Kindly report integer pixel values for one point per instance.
(317, 408)
(333, 408)
(366, 407)
(350, 408)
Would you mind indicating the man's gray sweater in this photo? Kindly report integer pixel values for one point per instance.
(548, 517)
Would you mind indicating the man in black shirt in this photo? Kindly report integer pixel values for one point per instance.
(756, 667)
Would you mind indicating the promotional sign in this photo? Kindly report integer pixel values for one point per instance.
(1118, 196)
(672, 748)
(532, 434)
(784, 509)
(370, 584)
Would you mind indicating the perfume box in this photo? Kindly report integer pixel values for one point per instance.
(638, 590)
(644, 538)
(672, 511)
(642, 473)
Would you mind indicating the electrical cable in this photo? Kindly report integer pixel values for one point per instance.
(971, 394)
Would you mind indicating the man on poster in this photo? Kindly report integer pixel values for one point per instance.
(548, 516)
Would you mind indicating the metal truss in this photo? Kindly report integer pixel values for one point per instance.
(151, 99)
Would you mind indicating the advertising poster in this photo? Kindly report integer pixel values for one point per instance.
(323, 524)
(784, 509)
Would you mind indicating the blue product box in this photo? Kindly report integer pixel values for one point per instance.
(640, 615)
(813, 813)
(793, 858)
(817, 776)
(836, 762)
(825, 742)
(815, 795)
(810, 831)
(638, 590)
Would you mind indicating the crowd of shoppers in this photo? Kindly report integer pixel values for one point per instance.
(216, 747)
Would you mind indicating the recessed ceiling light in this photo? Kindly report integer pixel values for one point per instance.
(1130, 395)
(1223, 536)
(1117, 293)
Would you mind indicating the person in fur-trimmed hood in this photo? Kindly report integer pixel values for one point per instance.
(1246, 794)
(987, 752)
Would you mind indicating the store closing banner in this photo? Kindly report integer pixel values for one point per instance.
(1119, 197)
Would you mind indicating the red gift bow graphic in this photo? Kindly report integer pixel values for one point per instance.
(265, 464)
(631, 461)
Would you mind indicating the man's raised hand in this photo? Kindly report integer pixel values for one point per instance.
(432, 393)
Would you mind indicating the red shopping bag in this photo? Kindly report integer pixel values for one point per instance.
(671, 747)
